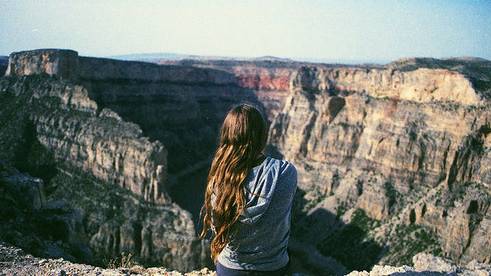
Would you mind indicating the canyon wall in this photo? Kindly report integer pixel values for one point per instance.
(180, 106)
(66, 110)
(72, 126)
(408, 147)
(269, 79)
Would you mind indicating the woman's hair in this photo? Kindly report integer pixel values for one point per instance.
(242, 139)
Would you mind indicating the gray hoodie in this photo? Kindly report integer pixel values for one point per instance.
(261, 239)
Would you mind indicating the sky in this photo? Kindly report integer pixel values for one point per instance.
(370, 31)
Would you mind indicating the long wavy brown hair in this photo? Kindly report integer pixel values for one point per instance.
(242, 141)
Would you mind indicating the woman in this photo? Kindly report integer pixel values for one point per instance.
(248, 199)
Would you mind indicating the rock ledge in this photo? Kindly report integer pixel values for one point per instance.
(427, 264)
(13, 261)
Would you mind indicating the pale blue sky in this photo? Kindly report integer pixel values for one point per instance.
(332, 30)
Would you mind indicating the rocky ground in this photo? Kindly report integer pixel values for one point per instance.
(426, 264)
(13, 261)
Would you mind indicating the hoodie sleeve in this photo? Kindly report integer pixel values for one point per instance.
(288, 175)
(287, 184)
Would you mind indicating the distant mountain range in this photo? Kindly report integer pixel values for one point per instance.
(178, 57)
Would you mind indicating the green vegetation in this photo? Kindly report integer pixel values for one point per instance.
(125, 260)
(340, 211)
(409, 241)
(391, 193)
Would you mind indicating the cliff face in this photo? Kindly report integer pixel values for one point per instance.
(271, 84)
(53, 62)
(68, 123)
(421, 85)
(408, 147)
(268, 79)
(178, 106)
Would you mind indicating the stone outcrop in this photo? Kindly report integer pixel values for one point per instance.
(14, 261)
(161, 99)
(426, 264)
(94, 162)
(53, 62)
(46, 228)
(271, 85)
(66, 122)
(421, 85)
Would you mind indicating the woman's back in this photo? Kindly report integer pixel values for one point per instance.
(247, 206)
(261, 235)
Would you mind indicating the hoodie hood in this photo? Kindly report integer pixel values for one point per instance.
(259, 188)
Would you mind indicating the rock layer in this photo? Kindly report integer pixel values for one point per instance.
(269, 79)
(67, 122)
(421, 85)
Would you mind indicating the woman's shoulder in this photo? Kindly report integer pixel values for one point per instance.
(285, 168)
(286, 176)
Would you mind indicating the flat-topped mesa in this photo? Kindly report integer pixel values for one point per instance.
(67, 64)
(54, 62)
(421, 85)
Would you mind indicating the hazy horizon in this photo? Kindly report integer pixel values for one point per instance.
(358, 31)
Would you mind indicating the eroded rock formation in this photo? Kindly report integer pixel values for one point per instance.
(384, 140)
(66, 121)
(93, 160)
(268, 79)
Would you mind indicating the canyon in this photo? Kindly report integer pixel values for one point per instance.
(393, 160)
